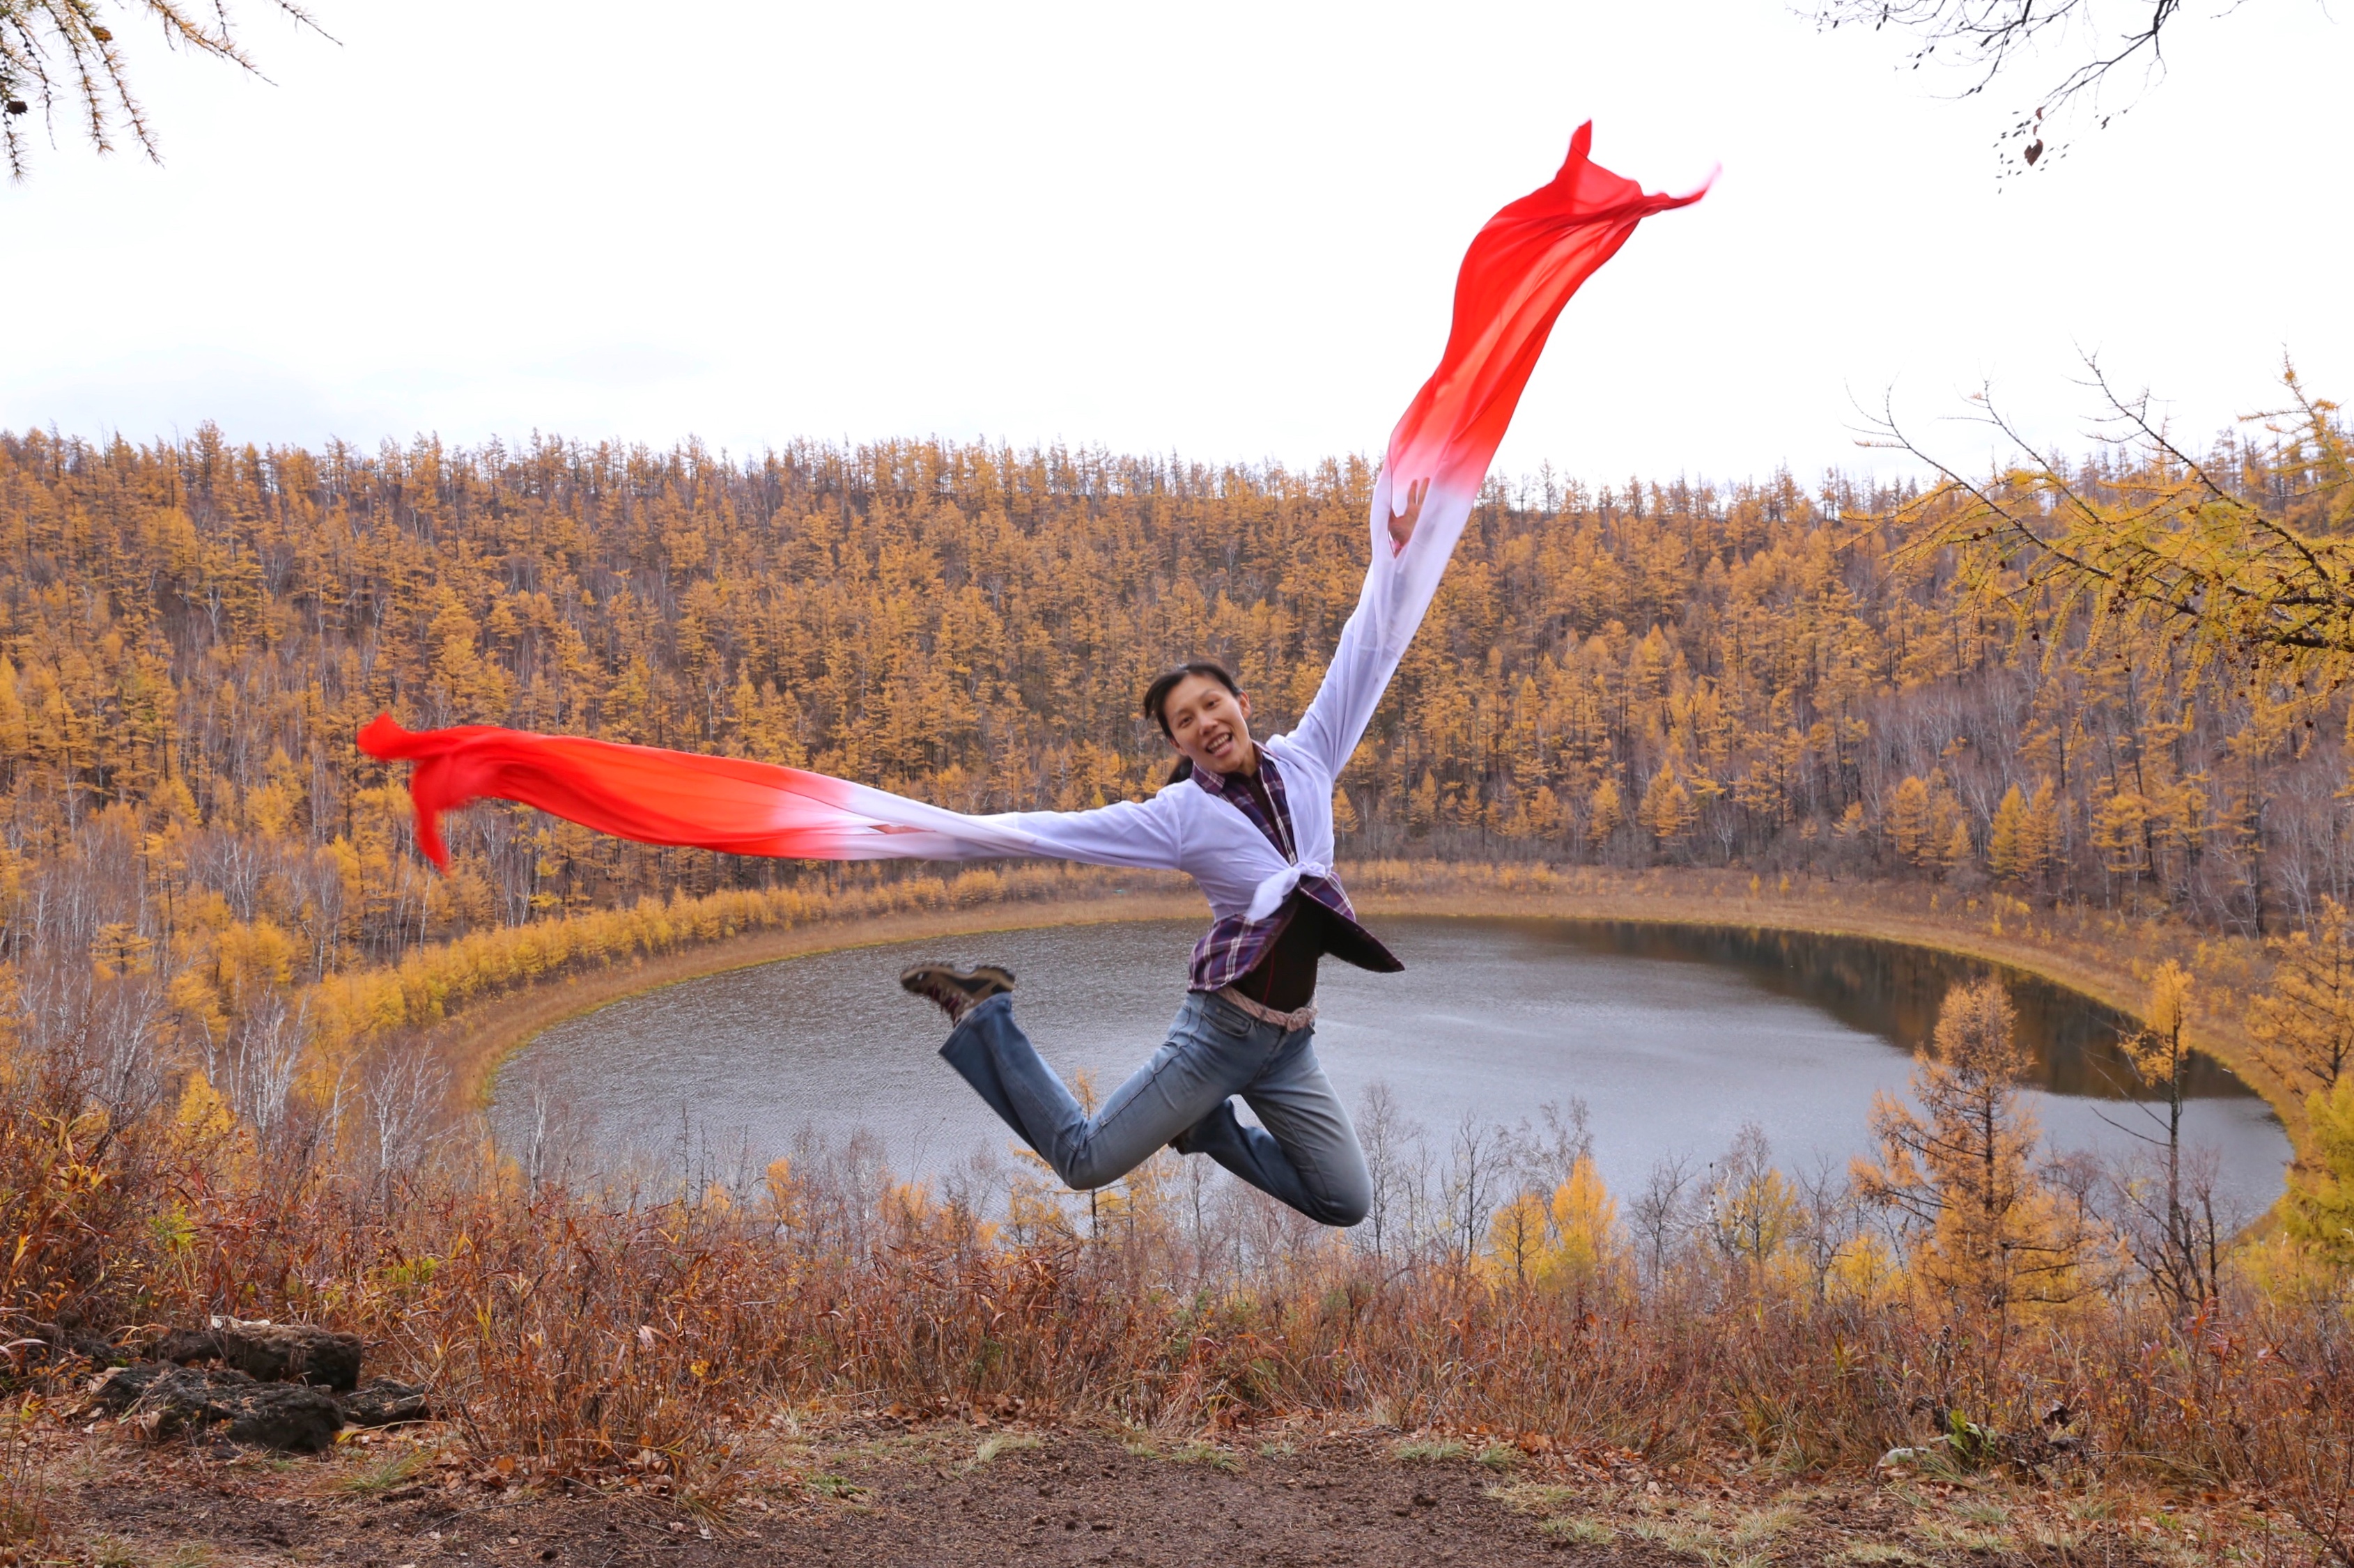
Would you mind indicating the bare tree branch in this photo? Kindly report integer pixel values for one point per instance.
(1987, 39)
(56, 55)
(2156, 539)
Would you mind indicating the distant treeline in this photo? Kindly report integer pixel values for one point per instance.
(1647, 671)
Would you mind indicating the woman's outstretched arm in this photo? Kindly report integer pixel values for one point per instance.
(1520, 271)
(1372, 642)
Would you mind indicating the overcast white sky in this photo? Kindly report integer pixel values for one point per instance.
(1227, 230)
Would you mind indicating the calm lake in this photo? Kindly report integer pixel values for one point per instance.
(1673, 1037)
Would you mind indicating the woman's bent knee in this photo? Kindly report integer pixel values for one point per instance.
(1341, 1208)
(1086, 1170)
(1342, 1215)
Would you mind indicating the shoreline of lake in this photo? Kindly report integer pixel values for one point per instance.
(485, 1038)
(1671, 1043)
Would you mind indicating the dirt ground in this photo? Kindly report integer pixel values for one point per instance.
(887, 1492)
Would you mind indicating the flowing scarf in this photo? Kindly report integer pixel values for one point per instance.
(1520, 271)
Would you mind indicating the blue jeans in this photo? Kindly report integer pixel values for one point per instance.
(1305, 1154)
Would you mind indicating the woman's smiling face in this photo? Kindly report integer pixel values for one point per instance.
(1211, 724)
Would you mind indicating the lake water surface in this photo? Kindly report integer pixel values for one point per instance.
(1673, 1035)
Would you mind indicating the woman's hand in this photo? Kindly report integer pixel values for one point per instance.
(1402, 523)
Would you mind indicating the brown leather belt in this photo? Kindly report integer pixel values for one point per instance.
(1298, 1018)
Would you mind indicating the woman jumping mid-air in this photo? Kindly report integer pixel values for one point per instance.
(1251, 822)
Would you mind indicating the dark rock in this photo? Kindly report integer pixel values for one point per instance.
(287, 1415)
(121, 1389)
(271, 1352)
(185, 1346)
(170, 1399)
(385, 1402)
(61, 1341)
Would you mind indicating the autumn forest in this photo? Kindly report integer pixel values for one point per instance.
(1748, 674)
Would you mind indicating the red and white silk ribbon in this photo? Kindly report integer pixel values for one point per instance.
(1520, 271)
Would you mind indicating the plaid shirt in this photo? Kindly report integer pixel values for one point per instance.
(1233, 946)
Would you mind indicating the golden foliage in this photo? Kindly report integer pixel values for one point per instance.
(2321, 1205)
(2304, 1023)
(1998, 1238)
(2158, 1053)
(1562, 1241)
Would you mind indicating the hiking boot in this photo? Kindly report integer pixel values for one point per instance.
(958, 991)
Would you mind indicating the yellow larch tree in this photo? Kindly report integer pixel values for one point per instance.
(1961, 1166)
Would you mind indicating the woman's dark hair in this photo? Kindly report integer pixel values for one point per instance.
(1156, 702)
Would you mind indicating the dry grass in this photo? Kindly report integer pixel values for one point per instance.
(113, 1551)
(1002, 1443)
(1429, 1450)
(1724, 1537)
(386, 1474)
(1583, 1530)
(1208, 1454)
